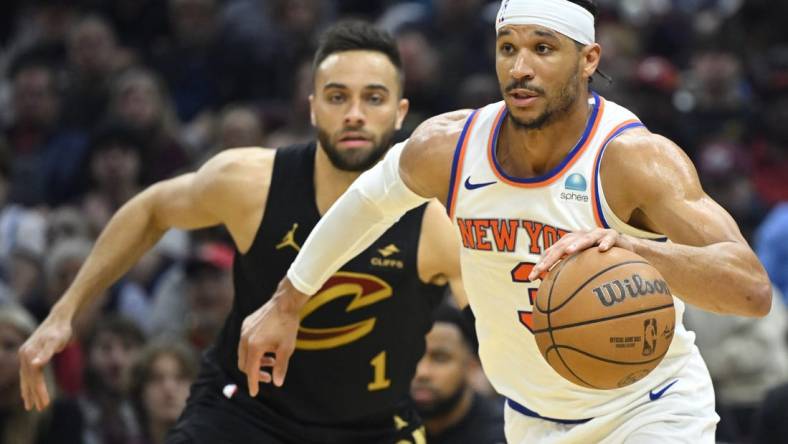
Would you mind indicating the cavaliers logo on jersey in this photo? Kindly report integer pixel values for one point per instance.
(362, 289)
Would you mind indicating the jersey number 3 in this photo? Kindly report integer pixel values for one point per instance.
(520, 274)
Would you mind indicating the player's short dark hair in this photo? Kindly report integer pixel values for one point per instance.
(357, 35)
(588, 5)
(451, 315)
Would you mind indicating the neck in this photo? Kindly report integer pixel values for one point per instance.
(529, 153)
(330, 182)
(436, 426)
(157, 431)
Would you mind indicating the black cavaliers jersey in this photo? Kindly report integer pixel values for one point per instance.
(361, 335)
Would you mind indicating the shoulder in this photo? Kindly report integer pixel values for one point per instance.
(238, 165)
(439, 132)
(643, 162)
(426, 159)
(239, 161)
(235, 173)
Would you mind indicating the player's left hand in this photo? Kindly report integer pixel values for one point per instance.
(577, 241)
(268, 337)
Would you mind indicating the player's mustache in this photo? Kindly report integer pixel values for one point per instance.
(523, 84)
(355, 132)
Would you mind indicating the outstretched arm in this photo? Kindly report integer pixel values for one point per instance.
(208, 197)
(409, 175)
(651, 183)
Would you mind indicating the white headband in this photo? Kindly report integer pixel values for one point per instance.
(570, 19)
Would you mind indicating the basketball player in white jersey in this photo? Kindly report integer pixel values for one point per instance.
(551, 170)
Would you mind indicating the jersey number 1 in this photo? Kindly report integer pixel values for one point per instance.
(379, 380)
(520, 274)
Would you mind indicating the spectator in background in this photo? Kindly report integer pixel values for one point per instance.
(770, 425)
(297, 126)
(94, 56)
(239, 125)
(115, 171)
(769, 150)
(60, 424)
(207, 65)
(746, 357)
(453, 413)
(725, 170)
(454, 29)
(61, 265)
(160, 381)
(139, 99)
(421, 66)
(46, 156)
(67, 222)
(140, 24)
(26, 280)
(295, 25)
(209, 292)
(17, 425)
(20, 228)
(107, 414)
(771, 245)
(191, 63)
(41, 26)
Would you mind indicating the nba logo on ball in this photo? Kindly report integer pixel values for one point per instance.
(575, 182)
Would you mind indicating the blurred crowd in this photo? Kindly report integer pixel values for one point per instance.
(99, 99)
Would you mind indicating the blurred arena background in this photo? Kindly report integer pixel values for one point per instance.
(100, 98)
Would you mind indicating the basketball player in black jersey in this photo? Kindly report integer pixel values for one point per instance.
(361, 336)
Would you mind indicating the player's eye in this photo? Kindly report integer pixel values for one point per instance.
(507, 49)
(375, 99)
(336, 98)
(441, 357)
(543, 49)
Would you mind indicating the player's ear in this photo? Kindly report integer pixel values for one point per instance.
(402, 110)
(312, 110)
(589, 59)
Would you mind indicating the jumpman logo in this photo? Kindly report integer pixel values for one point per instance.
(289, 240)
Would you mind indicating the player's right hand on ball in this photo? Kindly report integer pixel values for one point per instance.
(268, 337)
(34, 355)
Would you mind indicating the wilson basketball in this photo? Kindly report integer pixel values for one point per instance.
(604, 320)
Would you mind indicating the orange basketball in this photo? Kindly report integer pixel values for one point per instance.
(604, 320)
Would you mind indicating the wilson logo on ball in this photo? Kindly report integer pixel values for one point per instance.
(613, 292)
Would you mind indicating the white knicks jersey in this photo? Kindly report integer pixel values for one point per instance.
(505, 224)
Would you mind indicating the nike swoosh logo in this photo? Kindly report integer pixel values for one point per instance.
(658, 394)
(476, 186)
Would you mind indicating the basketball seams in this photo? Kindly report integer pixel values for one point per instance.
(573, 339)
(608, 318)
(566, 366)
(583, 285)
(550, 330)
(599, 358)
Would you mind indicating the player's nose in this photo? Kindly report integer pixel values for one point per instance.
(522, 68)
(422, 370)
(354, 116)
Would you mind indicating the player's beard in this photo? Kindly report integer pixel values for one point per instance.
(442, 406)
(555, 108)
(355, 160)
